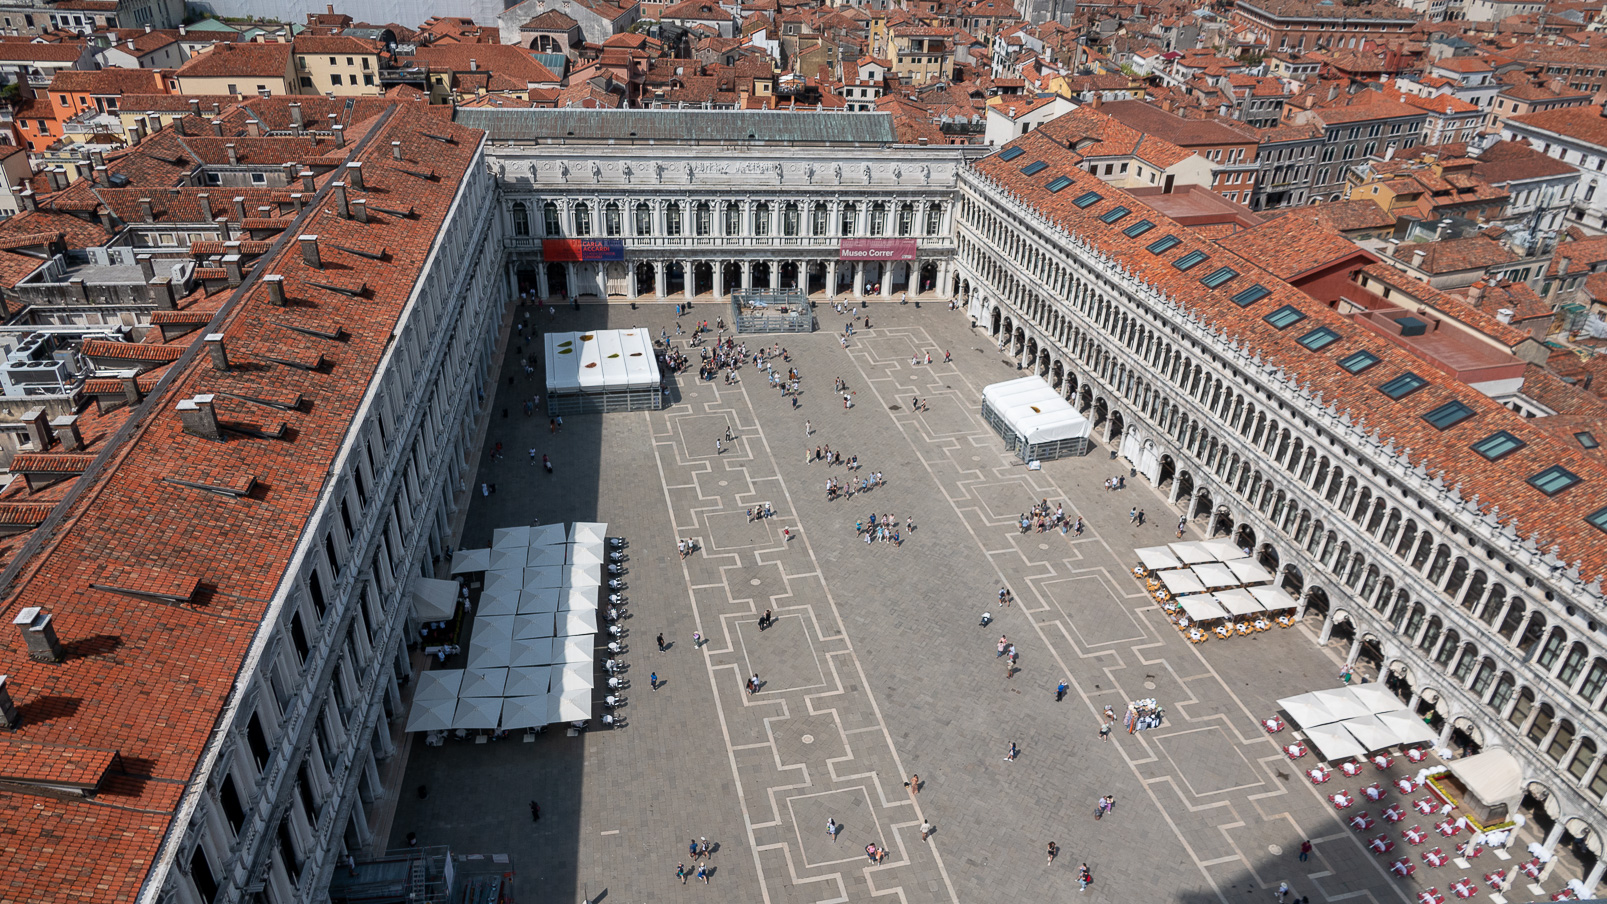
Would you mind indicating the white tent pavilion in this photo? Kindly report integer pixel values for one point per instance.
(492, 628)
(537, 556)
(545, 575)
(1407, 728)
(1034, 420)
(483, 683)
(548, 535)
(534, 624)
(1191, 552)
(587, 555)
(575, 650)
(498, 580)
(1306, 710)
(601, 370)
(1333, 742)
(1224, 550)
(510, 537)
(1215, 576)
(528, 711)
(588, 531)
(477, 712)
(1375, 698)
(432, 715)
(466, 560)
(577, 598)
(1342, 704)
(502, 602)
(1201, 607)
(488, 654)
(434, 599)
(571, 706)
(576, 622)
(528, 651)
(541, 599)
(1248, 571)
(1238, 602)
(530, 680)
(572, 677)
(440, 684)
(1181, 581)
(507, 559)
(1370, 733)
(581, 576)
(1274, 598)
(1157, 558)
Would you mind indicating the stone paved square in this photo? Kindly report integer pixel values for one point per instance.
(877, 667)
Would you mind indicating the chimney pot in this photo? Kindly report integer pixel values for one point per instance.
(360, 210)
(474, 65)
(354, 174)
(9, 717)
(307, 184)
(146, 211)
(234, 153)
(206, 205)
(341, 207)
(295, 116)
(253, 129)
(340, 135)
(295, 201)
(39, 633)
(161, 293)
(98, 158)
(195, 107)
(199, 418)
(130, 380)
(396, 150)
(29, 201)
(276, 289)
(66, 430)
(309, 251)
(35, 420)
(231, 265)
(219, 353)
(240, 207)
(147, 269)
(217, 128)
(1504, 315)
(100, 176)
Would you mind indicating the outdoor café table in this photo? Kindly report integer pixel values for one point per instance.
(1383, 761)
(1563, 895)
(1425, 806)
(1392, 813)
(1470, 849)
(1447, 828)
(1432, 896)
(1381, 845)
(1272, 725)
(1435, 858)
(1295, 751)
(1403, 867)
(1319, 775)
(1416, 754)
(1495, 879)
(1361, 822)
(1262, 624)
(1224, 632)
(1464, 888)
(1407, 785)
(1341, 800)
(1374, 792)
(1414, 835)
(1351, 768)
(1531, 868)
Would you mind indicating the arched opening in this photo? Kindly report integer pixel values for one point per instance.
(817, 278)
(1222, 521)
(1057, 376)
(645, 277)
(1267, 555)
(1371, 655)
(1398, 679)
(730, 278)
(1293, 580)
(1317, 602)
(1118, 424)
(1032, 351)
(789, 275)
(1101, 411)
(702, 277)
(675, 278)
(1165, 475)
(521, 219)
(928, 277)
(1020, 341)
(761, 274)
(1244, 537)
(1466, 736)
(1043, 362)
(993, 322)
(558, 280)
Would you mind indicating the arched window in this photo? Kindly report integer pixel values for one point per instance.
(761, 218)
(1481, 681)
(1520, 709)
(934, 219)
(1544, 716)
(1583, 757)
(705, 218)
(1561, 741)
(672, 218)
(1598, 783)
(1503, 693)
(1464, 665)
(733, 218)
(1595, 681)
(1572, 665)
(878, 218)
(906, 218)
(789, 219)
(850, 220)
(644, 218)
(1447, 649)
(1552, 649)
(612, 221)
(582, 219)
(521, 218)
(1431, 636)
(818, 220)
(549, 216)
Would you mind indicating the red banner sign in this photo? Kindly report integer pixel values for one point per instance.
(876, 250)
(582, 249)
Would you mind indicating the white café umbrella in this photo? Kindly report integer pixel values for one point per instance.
(1182, 581)
(580, 598)
(1342, 704)
(1224, 549)
(1249, 571)
(1407, 728)
(1191, 552)
(1370, 733)
(502, 602)
(511, 579)
(584, 576)
(1274, 598)
(540, 599)
(1333, 742)
(575, 649)
(544, 575)
(1157, 558)
(489, 653)
(576, 621)
(533, 624)
(528, 680)
(1375, 698)
(524, 712)
(586, 555)
(484, 683)
(507, 559)
(440, 684)
(432, 715)
(1201, 606)
(588, 530)
(537, 556)
(477, 712)
(573, 676)
(572, 706)
(510, 538)
(1215, 576)
(467, 560)
(530, 651)
(548, 535)
(1238, 602)
(1306, 710)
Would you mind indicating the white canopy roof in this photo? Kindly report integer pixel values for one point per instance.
(503, 602)
(524, 712)
(583, 576)
(1201, 607)
(545, 575)
(510, 537)
(1493, 776)
(483, 683)
(1342, 704)
(527, 681)
(601, 361)
(432, 715)
(1375, 698)
(540, 599)
(441, 684)
(1306, 710)
(1224, 549)
(581, 598)
(434, 599)
(1192, 553)
(575, 649)
(1214, 576)
(573, 676)
(465, 560)
(1370, 733)
(548, 535)
(527, 651)
(1156, 558)
(499, 580)
(1182, 581)
(507, 559)
(534, 624)
(1248, 571)
(576, 621)
(1407, 727)
(478, 712)
(1332, 742)
(586, 554)
(1238, 602)
(1274, 598)
(584, 531)
(569, 706)
(1035, 411)
(538, 556)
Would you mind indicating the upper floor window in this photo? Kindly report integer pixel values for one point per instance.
(521, 219)
(906, 218)
(611, 218)
(582, 219)
(850, 220)
(704, 217)
(644, 218)
(934, 219)
(672, 218)
(733, 219)
(549, 215)
(878, 218)
(817, 220)
(761, 218)
(789, 219)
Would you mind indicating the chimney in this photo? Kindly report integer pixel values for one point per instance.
(66, 430)
(1562, 266)
(130, 380)
(295, 202)
(184, 30)
(309, 251)
(206, 205)
(340, 135)
(234, 154)
(131, 47)
(1504, 315)
(217, 128)
(97, 158)
(215, 348)
(1417, 258)
(199, 418)
(35, 421)
(341, 207)
(39, 634)
(147, 269)
(217, 109)
(147, 30)
(307, 183)
(354, 174)
(58, 177)
(100, 176)
(231, 265)
(160, 291)
(296, 121)
(474, 65)
(253, 129)
(146, 212)
(9, 717)
(1475, 294)
(276, 289)
(396, 150)
(240, 208)
(195, 107)
(360, 210)
(29, 202)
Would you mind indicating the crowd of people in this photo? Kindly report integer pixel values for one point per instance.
(1039, 519)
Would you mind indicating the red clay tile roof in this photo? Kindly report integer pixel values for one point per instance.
(270, 60)
(1291, 246)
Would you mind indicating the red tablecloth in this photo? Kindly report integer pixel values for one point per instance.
(1425, 806)
(1435, 857)
(1403, 867)
(1393, 813)
(1415, 835)
(1464, 888)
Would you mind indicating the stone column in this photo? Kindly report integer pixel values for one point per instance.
(1354, 654)
(630, 280)
(775, 274)
(541, 282)
(859, 279)
(1594, 878)
(747, 274)
(886, 277)
(572, 279)
(831, 279)
(661, 271)
(688, 279)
